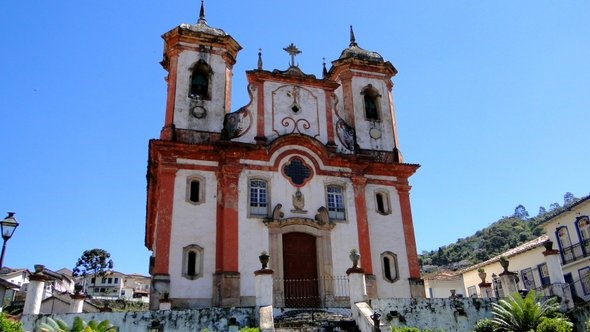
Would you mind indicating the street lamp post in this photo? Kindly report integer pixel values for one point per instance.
(7, 228)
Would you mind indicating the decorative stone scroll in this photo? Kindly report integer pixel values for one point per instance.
(279, 223)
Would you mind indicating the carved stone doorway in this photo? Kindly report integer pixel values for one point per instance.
(300, 270)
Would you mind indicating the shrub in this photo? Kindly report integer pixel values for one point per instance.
(485, 325)
(404, 329)
(555, 325)
(249, 329)
(8, 325)
(57, 325)
(518, 314)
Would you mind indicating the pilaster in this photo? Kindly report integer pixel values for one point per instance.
(408, 227)
(362, 223)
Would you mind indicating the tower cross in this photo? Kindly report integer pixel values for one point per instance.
(292, 50)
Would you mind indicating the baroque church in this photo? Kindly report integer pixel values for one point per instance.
(308, 171)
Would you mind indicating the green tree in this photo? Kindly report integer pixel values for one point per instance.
(569, 199)
(518, 314)
(542, 211)
(520, 212)
(95, 262)
(8, 325)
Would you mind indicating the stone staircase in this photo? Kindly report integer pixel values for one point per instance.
(315, 320)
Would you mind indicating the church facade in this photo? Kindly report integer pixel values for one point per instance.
(307, 171)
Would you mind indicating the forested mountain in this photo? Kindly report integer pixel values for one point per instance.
(506, 233)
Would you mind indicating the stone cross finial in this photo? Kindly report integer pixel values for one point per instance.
(293, 51)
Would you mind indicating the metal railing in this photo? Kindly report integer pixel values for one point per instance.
(575, 252)
(321, 292)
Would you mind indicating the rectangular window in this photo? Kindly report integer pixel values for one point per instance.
(258, 198)
(585, 279)
(335, 200)
(103, 281)
(116, 280)
(110, 280)
(544, 274)
(528, 279)
(472, 291)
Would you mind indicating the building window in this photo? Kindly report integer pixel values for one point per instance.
(116, 280)
(335, 199)
(382, 202)
(200, 81)
(192, 262)
(103, 281)
(258, 191)
(110, 280)
(371, 103)
(544, 274)
(583, 225)
(528, 280)
(389, 266)
(585, 279)
(565, 244)
(472, 291)
(195, 190)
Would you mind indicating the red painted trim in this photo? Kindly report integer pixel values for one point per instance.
(329, 119)
(171, 93)
(163, 225)
(226, 256)
(408, 226)
(362, 223)
(260, 109)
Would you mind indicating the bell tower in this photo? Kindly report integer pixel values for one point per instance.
(199, 61)
(365, 97)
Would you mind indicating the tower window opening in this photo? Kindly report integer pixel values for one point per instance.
(200, 80)
(371, 103)
(382, 202)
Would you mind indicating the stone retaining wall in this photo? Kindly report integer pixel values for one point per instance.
(212, 319)
(453, 315)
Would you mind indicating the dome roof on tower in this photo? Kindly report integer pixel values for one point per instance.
(354, 51)
(202, 26)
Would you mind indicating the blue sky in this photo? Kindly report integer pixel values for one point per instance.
(492, 99)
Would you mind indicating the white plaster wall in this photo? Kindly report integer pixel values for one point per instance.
(531, 258)
(442, 288)
(193, 224)
(253, 234)
(281, 120)
(387, 234)
(215, 107)
(362, 126)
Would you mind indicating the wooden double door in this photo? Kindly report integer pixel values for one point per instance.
(300, 271)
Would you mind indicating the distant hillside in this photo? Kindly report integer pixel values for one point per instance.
(506, 233)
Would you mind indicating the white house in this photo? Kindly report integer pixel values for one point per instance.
(569, 230)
